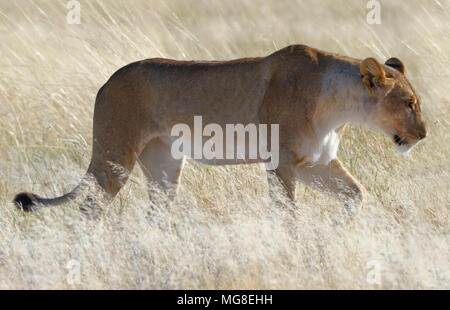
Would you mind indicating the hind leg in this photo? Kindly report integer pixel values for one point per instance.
(106, 176)
(161, 169)
(113, 159)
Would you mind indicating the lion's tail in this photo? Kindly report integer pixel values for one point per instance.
(29, 202)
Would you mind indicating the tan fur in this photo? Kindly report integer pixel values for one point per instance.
(310, 93)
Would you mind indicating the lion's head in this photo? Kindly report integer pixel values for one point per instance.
(395, 106)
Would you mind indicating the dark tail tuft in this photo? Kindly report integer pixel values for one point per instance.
(26, 202)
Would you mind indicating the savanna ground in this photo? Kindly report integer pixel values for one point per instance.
(223, 231)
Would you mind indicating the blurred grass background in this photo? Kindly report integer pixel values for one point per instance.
(223, 231)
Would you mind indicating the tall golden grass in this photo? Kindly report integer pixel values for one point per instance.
(223, 231)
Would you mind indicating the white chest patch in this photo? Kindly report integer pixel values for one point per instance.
(323, 150)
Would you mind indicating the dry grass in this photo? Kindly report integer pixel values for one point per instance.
(223, 231)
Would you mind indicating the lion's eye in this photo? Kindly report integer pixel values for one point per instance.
(411, 105)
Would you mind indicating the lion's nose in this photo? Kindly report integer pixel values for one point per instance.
(422, 133)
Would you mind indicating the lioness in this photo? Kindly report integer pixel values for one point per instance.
(310, 93)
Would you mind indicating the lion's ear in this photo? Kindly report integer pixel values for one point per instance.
(395, 63)
(374, 77)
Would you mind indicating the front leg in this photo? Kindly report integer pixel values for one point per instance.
(283, 178)
(334, 179)
(282, 192)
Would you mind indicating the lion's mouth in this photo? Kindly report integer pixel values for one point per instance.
(399, 141)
